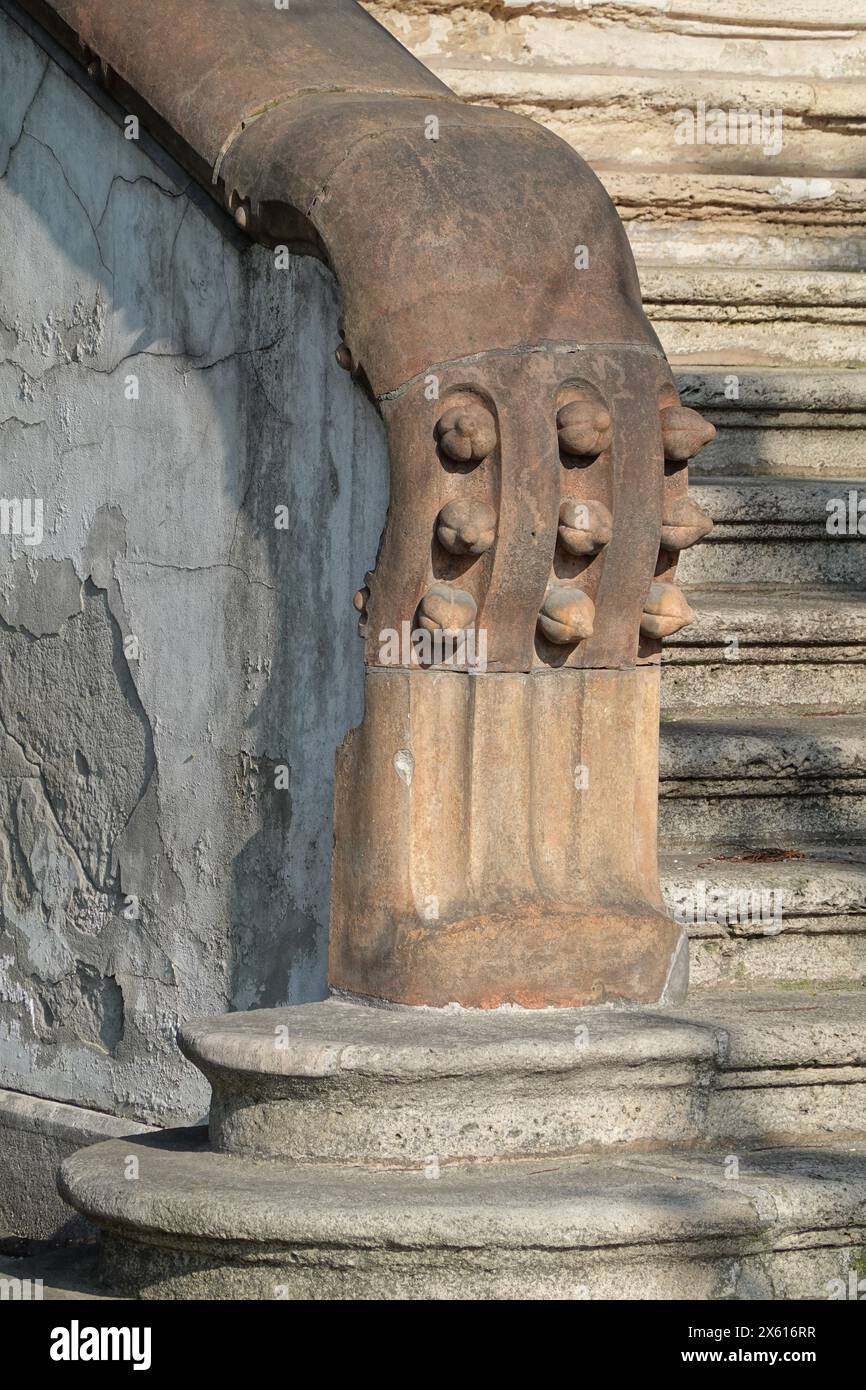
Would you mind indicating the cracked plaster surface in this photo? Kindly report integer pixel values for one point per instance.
(165, 648)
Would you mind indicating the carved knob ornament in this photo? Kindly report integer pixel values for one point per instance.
(466, 528)
(665, 610)
(446, 609)
(470, 526)
(467, 433)
(584, 527)
(684, 432)
(584, 428)
(684, 524)
(567, 616)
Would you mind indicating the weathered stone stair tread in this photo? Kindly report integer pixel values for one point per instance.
(354, 1084)
(780, 553)
(722, 745)
(782, 422)
(342, 1082)
(823, 885)
(770, 530)
(772, 506)
(810, 935)
(184, 1188)
(786, 616)
(778, 1029)
(830, 390)
(801, 648)
(201, 1224)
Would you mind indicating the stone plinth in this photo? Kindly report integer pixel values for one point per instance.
(404, 1153)
(341, 1082)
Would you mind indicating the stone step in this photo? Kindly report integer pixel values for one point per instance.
(791, 917)
(358, 1152)
(199, 1224)
(35, 1136)
(779, 421)
(755, 646)
(742, 314)
(341, 1082)
(762, 780)
(779, 531)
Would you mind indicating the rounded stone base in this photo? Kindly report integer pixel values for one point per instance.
(344, 1082)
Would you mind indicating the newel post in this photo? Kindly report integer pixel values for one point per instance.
(495, 812)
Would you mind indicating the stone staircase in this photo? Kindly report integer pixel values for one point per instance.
(763, 762)
(776, 421)
(818, 940)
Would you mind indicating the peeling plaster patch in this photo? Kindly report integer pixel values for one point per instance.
(66, 339)
(256, 784)
(144, 867)
(85, 669)
(45, 956)
(13, 764)
(12, 992)
(87, 1006)
(55, 876)
(204, 869)
(39, 598)
(106, 544)
(69, 786)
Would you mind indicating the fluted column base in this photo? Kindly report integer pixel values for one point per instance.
(495, 843)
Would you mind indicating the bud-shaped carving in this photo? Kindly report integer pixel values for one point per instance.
(446, 609)
(467, 433)
(466, 527)
(684, 524)
(567, 615)
(584, 427)
(584, 527)
(665, 610)
(684, 432)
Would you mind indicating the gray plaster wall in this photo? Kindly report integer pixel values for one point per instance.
(166, 647)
